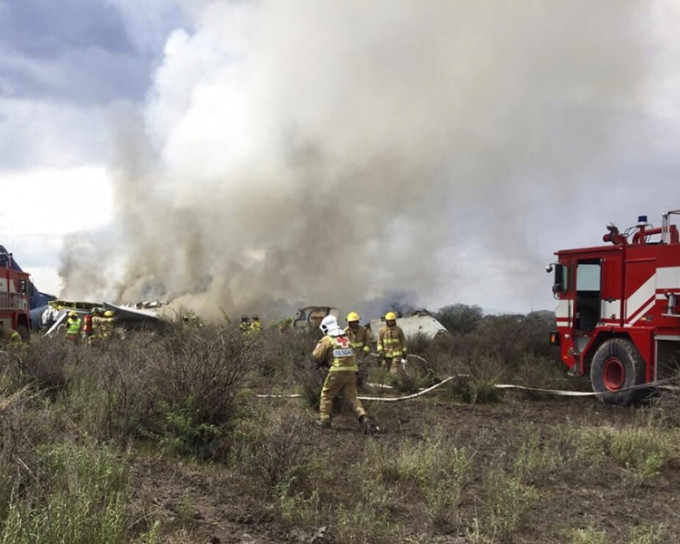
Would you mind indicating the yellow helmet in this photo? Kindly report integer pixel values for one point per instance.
(108, 313)
(352, 316)
(73, 314)
(390, 316)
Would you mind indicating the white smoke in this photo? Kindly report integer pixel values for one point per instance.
(339, 152)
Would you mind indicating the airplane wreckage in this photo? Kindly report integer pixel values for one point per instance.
(416, 323)
(143, 315)
(23, 306)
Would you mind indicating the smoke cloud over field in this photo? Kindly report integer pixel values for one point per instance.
(339, 152)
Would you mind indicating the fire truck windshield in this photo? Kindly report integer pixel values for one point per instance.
(588, 277)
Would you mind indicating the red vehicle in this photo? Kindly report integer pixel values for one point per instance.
(618, 316)
(14, 296)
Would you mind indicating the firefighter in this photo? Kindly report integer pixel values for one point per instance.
(87, 327)
(335, 352)
(255, 325)
(392, 344)
(103, 325)
(245, 323)
(73, 323)
(9, 338)
(285, 325)
(360, 340)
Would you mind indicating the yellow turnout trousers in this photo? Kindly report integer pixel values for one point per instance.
(337, 382)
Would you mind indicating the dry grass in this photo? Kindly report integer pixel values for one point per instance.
(160, 438)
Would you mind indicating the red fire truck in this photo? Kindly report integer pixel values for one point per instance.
(14, 296)
(618, 315)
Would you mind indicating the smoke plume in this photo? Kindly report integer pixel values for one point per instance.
(339, 152)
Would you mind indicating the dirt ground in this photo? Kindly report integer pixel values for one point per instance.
(571, 495)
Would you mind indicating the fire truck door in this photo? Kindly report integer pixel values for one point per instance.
(588, 295)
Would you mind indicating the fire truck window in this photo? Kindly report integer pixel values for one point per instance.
(561, 284)
(588, 277)
(587, 303)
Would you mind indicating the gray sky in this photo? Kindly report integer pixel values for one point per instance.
(252, 156)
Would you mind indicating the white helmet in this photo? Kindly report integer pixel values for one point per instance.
(329, 326)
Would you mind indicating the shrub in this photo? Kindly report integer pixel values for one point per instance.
(460, 318)
(78, 495)
(180, 389)
(274, 448)
(195, 378)
(309, 382)
(478, 386)
(281, 354)
(46, 362)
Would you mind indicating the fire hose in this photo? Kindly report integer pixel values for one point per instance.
(660, 384)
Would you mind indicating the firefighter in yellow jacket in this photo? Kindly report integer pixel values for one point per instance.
(360, 340)
(255, 325)
(103, 325)
(9, 338)
(392, 344)
(335, 352)
(73, 323)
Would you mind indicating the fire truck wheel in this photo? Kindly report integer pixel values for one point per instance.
(617, 366)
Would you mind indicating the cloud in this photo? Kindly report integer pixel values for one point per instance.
(341, 152)
(77, 51)
(45, 204)
(36, 133)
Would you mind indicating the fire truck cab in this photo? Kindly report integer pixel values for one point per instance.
(618, 311)
(14, 296)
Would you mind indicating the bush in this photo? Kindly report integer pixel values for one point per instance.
(460, 318)
(47, 360)
(78, 495)
(273, 448)
(281, 354)
(180, 390)
(195, 377)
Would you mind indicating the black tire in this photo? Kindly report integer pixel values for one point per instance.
(617, 365)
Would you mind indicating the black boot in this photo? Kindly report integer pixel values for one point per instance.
(368, 425)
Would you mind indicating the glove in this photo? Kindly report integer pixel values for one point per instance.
(320, 364)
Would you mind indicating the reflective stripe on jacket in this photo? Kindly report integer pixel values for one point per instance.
(336, 352)
(360, 339)
(255, 327)
(392, 342)
(72, 326)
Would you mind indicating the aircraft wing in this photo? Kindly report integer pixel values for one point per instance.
(128, 313)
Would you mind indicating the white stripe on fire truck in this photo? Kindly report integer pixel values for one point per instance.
(638, 302)
(640, 313)
(563, 313)
(666, 279)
